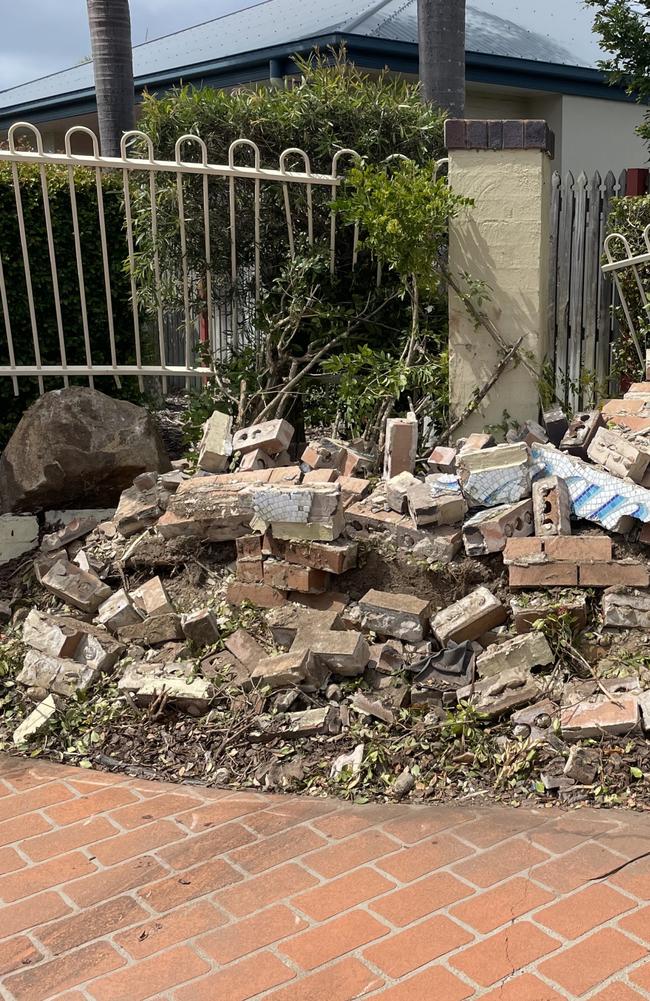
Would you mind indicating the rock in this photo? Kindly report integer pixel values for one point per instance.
(76, 587)
(37, 720)
(582, 765)
(18, 534)
(201, 627)
(77, 445)
(403, 784)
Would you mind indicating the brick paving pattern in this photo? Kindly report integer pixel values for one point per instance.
(118, 889)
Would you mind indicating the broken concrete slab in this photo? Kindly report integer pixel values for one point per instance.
(488, 531)
(271, 437)
(76, 587)
(551, 507)
(402, 616)
(468, 618)
(215, 508)
(216, 446)
(494, 476)
(18, 535)
(151, 598)
(595, 494)
(520, 653)
(201, 627)
(36, 722)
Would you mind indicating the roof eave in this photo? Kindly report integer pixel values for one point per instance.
(367, 52)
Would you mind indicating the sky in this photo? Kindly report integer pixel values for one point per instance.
(42, 36)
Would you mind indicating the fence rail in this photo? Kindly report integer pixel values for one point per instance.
(582, 326)
(138, 162)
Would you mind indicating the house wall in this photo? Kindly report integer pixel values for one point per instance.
(600, 135)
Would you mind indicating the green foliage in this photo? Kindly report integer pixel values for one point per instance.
(629, 217)
(624, 30)
(11, 407)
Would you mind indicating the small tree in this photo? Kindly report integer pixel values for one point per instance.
(441, 45)
(110, 38)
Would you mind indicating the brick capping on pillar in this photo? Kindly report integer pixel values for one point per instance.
(480, 134)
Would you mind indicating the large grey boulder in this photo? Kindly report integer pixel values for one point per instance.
(78, 446)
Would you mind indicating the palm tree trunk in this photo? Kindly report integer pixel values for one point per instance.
(110, 38)
(441, 42)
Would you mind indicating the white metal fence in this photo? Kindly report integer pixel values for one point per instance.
(221, 314)
(623, 263)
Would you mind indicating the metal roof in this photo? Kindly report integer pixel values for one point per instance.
(284, 22)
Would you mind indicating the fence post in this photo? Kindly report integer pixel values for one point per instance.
(503, 241)
(636, 181)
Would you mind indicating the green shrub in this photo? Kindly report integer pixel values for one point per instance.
(11, 407)
(629, 217)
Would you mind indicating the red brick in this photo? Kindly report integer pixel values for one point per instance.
(89, 806)
(279, 848)
(333, 939)
(249, 547)
(16, 953)
(617, 992)
(416, 860)
(151, 976)
(415, 825)
(497, 863)
(591, 961)
(10, 861)
(521, 549)
(346, 855)
(251, 934)
(340, 894)
(487, 911)
(240, 981)
(321, 476)
(36, 799)
(425, 897)
(577, 867)
(417, 946)
(206, 846)
(584, 911)
(213, 814)
(608, 574)
(434, 984)
(260, 595)
(89, 924)
(638, 923)
(111, 882)
(256, 893)
(141, 813)
(524, 988)
(250, 571)
(170, 929)
(56, 842)
(497, 824)
(579, 548)
(47, 980)
(175, 890)
(28, 914)
(44, 875)
(341, 982)
(503, 954)
(138, 842)
(344, 823)
(14, 830)
(543, 575)
(568, 832)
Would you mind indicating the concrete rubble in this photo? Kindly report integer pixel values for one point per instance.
(519, 543)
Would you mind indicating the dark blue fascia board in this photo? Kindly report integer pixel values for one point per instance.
(370, 53)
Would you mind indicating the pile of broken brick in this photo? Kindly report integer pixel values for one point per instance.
(298, 526)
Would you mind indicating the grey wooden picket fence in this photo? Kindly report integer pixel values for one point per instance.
(582, 326)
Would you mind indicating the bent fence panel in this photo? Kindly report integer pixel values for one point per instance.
(183, 309)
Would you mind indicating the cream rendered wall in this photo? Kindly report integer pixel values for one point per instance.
(503, 241)
(599, 135)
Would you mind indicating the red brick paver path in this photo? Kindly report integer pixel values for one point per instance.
(117, 889)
